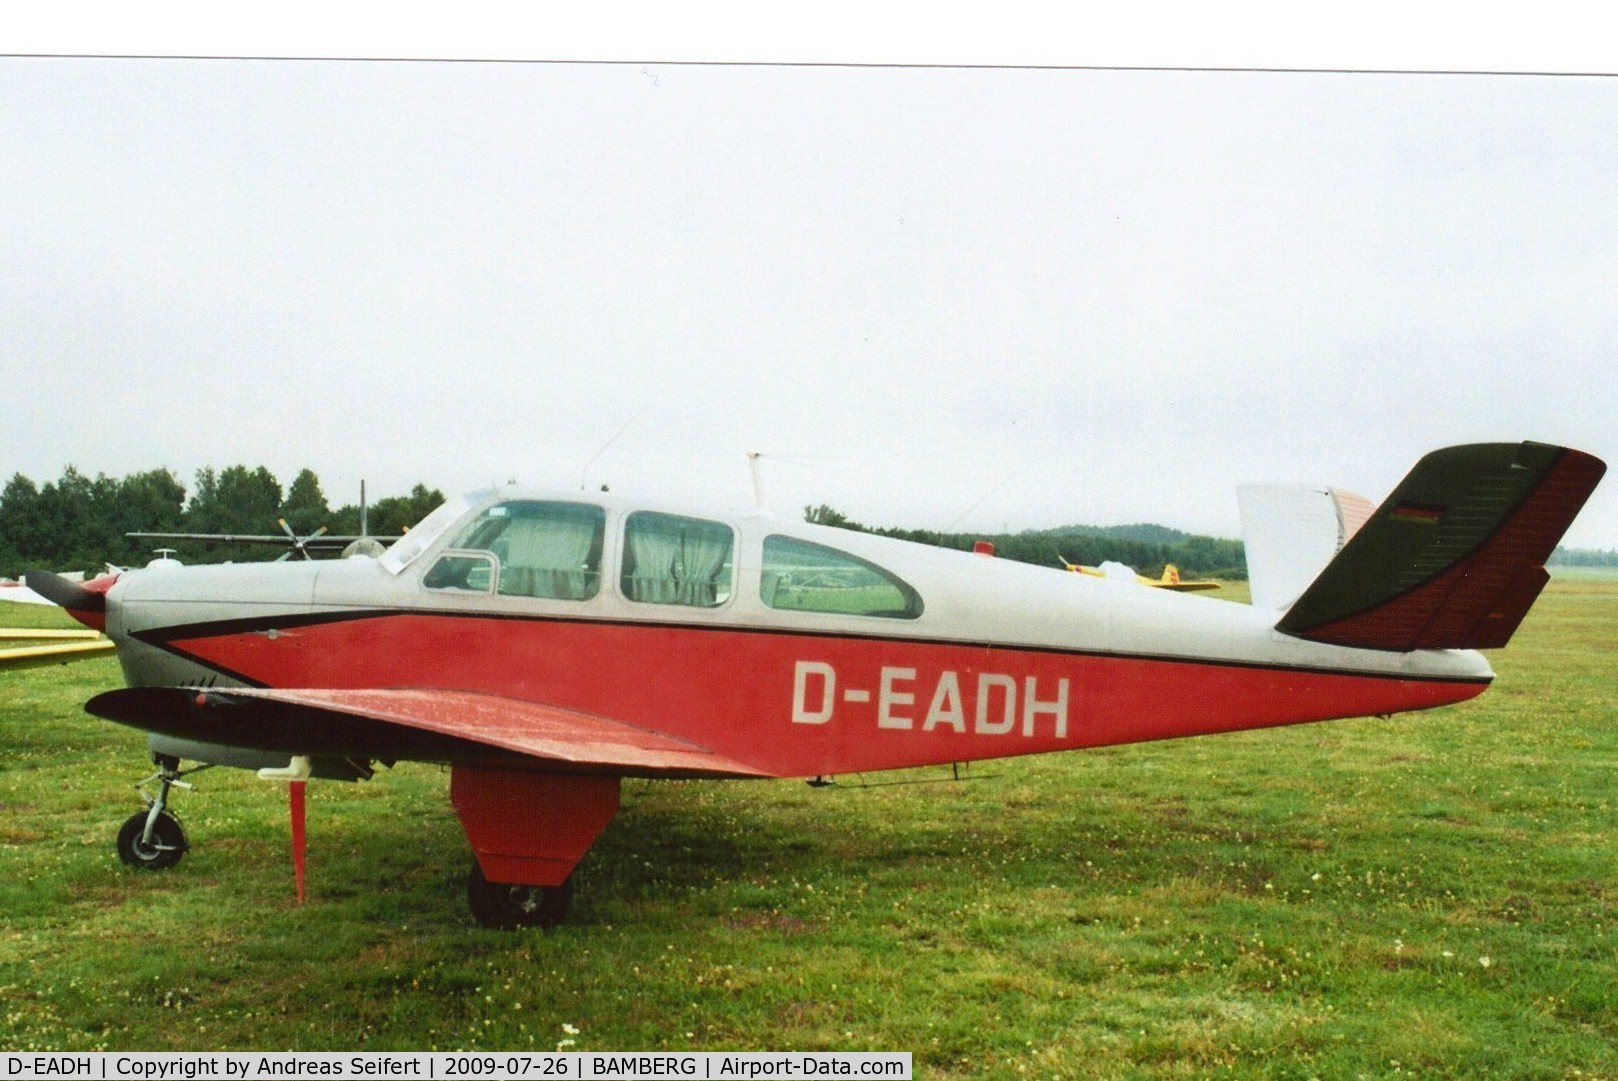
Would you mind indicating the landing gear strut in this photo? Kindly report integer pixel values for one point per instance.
(153, 840)
(506, 907)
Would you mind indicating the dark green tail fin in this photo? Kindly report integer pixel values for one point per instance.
(1454, 558)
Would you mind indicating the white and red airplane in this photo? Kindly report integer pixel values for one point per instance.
(547, 645)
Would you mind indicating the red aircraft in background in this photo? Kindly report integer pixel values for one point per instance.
(547, 645)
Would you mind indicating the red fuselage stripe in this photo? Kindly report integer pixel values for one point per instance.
(796, 704)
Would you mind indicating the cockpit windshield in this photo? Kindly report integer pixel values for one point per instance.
(425, 532)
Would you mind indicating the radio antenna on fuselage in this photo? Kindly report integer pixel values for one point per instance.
(755, 459)
(584, 473)
(758, 479)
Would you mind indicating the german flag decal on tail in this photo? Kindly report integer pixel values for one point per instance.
(1419, 513)
(1454, 558)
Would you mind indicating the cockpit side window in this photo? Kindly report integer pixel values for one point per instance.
(671, 559)
(801, 576)
(421, 536)
(531, 548)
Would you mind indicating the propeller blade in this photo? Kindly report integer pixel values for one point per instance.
(299, 544)
(70, 595)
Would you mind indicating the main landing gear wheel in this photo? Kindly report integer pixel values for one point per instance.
(151, 850)
(505, 906)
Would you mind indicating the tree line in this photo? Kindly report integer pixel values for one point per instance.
(1147, 548)
(79, 523)
(1584, 557)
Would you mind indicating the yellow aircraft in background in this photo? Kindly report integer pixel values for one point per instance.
(84, 643)
(45, 646)
(1170, 580)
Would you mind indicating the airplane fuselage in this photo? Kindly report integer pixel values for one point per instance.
(953, 656)
(546, 645)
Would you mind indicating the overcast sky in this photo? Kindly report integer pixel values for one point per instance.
(931, 297)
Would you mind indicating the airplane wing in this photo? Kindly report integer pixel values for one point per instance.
(54, 653)
(1170, 580)
(323, 542)
(18, 593)
(435, 725)
(1185, 587)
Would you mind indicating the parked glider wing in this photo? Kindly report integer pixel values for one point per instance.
(440, 725)
(1454, 558)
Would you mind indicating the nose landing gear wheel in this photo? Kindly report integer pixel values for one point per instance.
(154, 851)
(505, 906)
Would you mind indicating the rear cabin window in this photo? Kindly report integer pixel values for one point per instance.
(801, 576)
(670, 559)
(527, 548)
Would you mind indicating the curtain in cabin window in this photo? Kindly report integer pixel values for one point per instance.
(546, 549)
(670, 559)
(548, 555)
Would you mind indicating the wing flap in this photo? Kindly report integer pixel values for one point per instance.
(408, 723)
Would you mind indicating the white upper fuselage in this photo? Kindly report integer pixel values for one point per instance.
(965, 598)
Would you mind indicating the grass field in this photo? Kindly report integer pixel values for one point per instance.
(1431, 895)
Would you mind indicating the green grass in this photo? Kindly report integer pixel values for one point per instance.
(1598, 574)
(34, 616)
(1431, 895)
